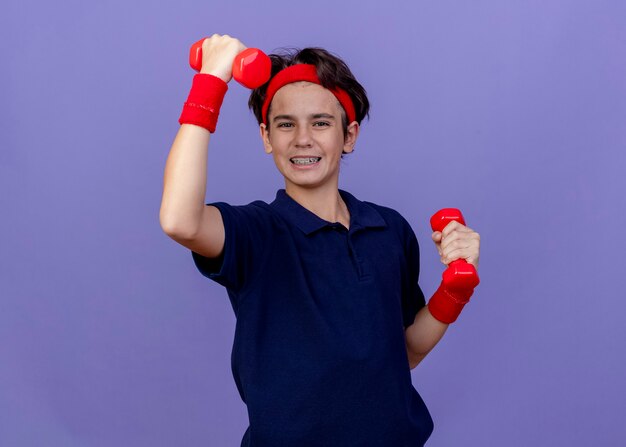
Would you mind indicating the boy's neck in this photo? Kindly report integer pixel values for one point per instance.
(325, 202)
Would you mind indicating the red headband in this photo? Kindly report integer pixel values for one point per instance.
(304, 72)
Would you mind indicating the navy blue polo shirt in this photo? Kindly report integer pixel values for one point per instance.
(319, 354)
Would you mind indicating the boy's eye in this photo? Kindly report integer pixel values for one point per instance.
(315, 124)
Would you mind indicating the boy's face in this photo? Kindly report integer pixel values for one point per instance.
(305, 122)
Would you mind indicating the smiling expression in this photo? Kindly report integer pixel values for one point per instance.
(305, 135)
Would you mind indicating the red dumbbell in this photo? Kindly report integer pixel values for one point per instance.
(459, 274)
(251, 68)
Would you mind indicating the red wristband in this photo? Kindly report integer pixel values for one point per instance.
(205, 99)
(446, 305)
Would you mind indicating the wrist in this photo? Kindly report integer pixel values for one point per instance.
(446, 304)
(214, 73)
(204, 101)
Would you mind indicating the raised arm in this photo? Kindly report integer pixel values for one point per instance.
(183, 215)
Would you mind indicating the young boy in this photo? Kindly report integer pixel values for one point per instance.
(330, 316)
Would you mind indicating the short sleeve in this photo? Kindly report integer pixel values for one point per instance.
(244, 246)
(412, 298)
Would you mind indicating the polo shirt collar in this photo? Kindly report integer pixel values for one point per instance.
(362, 215)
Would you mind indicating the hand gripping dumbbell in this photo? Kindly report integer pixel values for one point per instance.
(251, 68)
(458, 280)
(459, 274)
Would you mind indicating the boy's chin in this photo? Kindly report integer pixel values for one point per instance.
(307, 184)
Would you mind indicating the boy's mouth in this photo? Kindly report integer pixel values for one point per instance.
(304, 161)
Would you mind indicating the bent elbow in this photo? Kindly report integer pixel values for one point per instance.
(172, 226)
(415, 359)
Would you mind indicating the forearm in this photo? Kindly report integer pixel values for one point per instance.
(422, 336)
(184, 181)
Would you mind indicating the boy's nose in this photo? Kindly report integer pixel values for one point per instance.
(303, 136)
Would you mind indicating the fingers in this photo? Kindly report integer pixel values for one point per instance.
(452, 226)
(457, 242)
(469, 255)
(218, 54)
(217, 44)
(450, 254)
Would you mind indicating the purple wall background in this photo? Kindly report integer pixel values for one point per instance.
(512, 111)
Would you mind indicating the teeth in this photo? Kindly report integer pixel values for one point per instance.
(305, 161)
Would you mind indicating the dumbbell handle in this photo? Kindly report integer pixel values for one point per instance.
(251, 68)
(459, 274)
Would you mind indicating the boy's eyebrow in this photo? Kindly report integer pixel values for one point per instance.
(314, 116)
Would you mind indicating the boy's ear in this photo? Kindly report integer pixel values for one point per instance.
(352, 132)
(265, 136)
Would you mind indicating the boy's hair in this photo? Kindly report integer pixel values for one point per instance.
(332, 72)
